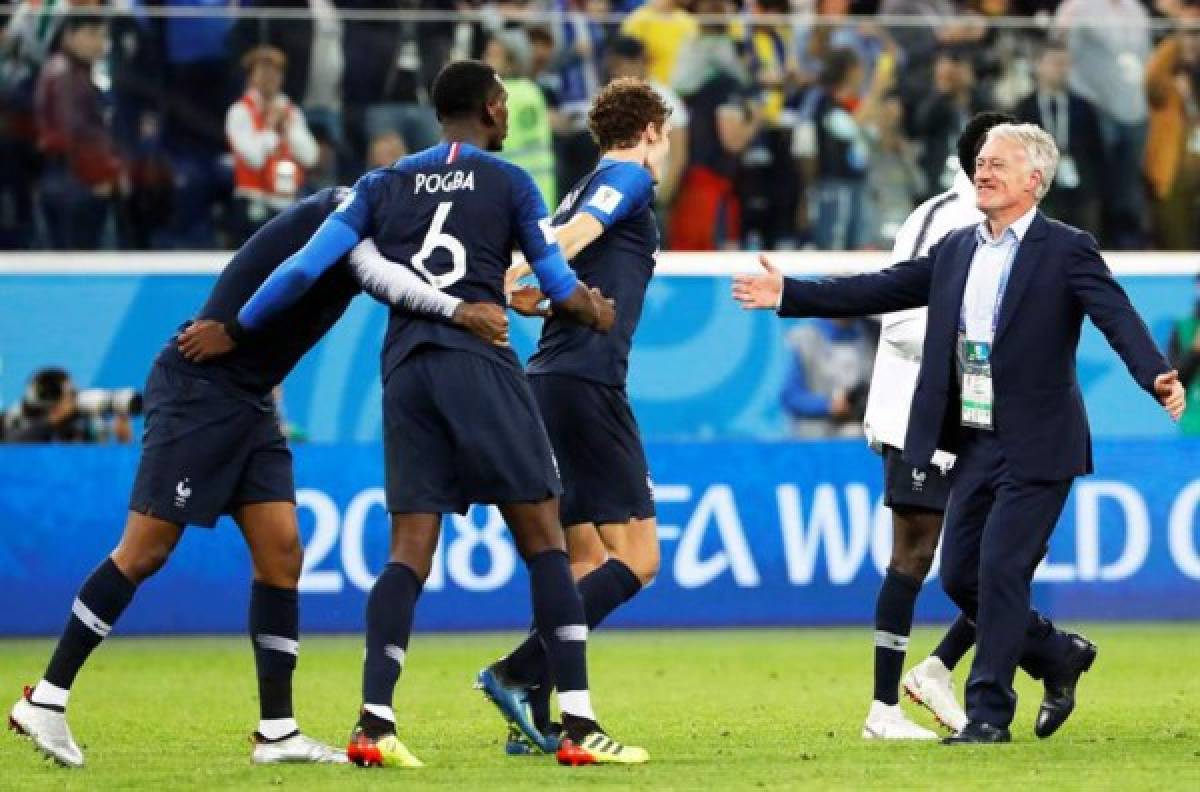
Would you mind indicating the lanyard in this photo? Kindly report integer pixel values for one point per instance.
(1001, 285)
(1058, 124)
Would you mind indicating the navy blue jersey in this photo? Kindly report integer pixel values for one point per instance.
(620, 264)
(264, 358)
(453, 214)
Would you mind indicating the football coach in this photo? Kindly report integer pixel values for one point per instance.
(998, 387)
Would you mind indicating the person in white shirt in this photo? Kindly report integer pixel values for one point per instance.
(270, 141)
(916, 496)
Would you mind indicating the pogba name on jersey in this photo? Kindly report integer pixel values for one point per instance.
(444, 182)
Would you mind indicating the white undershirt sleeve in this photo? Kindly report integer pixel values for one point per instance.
(394, 284)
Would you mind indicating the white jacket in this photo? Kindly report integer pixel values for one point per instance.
(903, 334)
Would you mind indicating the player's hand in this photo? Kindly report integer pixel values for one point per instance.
(605, 309)
(204, 339)
(529, 301)
(839, 405)
(513, 275)
(486, 320)
(762, 290)
(1170, 393)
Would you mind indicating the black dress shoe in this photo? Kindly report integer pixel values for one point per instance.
(1059, 701)
(978, 733)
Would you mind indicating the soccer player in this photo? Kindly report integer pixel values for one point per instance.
(606, 226)
(213, 446)
(916, 496)
(460, 422)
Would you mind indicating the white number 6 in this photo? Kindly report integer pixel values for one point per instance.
(435, 238)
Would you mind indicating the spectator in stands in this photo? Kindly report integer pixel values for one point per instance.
(665, 28)
(839, 118)
(313, 46)
(292, 35)
(198, 85)
(1172, 160)
(831, 28)
(947, 27)
(723, 120)
(385, 149)
(82, 170)
(271, 144)
(25, 45)
(389, 68)
(530, 141)
(940, 116)
(895, 181)
(1108, 68)
(1184, 352)
(825, 394)
(1072, 122)
(627, 58)
(579, 64)
(767, 183)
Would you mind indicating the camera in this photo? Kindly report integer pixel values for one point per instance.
(101, 402)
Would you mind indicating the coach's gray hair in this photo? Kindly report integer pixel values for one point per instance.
(1040, 150)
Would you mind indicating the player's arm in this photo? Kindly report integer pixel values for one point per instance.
(617, 192)
(577, 233)
(205, 339)
(557, 280)
(336, 237)
(394, 284)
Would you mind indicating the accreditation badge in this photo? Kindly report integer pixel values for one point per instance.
(1194, 142)
(977, 401)
(1067, 175)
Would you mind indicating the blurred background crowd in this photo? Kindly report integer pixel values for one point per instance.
(796, 124)
(186, 124)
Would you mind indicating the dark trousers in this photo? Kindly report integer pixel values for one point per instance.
(996, 532)
(74, 214)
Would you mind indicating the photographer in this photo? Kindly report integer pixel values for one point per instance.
(825, 393)
(52, 411)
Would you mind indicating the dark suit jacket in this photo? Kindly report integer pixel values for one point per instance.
(1057, 276)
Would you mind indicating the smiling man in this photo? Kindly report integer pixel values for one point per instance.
(998, 387)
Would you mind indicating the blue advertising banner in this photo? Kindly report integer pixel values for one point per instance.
(753, 533)
(701, 367)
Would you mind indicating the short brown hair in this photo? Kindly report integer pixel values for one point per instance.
(622, 110)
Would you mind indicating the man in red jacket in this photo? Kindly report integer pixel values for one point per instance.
(82, 167)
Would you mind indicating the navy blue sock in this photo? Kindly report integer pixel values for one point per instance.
(603, 590)
(101, 600)
(275, 632)
(559, 618)
(389, 624)
(893, 623)
(957, 641)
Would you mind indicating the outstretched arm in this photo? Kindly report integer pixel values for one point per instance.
(535, 237)
(1108, 306)
(901, 286)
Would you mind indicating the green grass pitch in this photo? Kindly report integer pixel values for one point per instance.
(716, 709)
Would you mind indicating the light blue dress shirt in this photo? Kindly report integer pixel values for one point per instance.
(990, 268)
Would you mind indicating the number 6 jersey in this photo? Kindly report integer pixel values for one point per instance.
(453, 214)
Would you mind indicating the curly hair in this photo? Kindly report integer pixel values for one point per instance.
(622, 110)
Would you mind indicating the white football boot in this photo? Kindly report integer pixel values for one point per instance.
(930, 684)
(297, 748)
(48, 730)
(890, 723)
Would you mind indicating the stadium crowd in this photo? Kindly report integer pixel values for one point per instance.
(187, 124)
